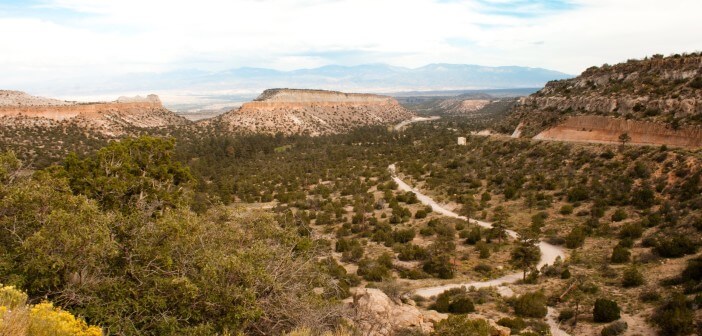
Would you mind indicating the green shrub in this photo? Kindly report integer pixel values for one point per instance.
(439, 266)
(461, 305)
(649, 296)
(632, 277)
(631, 230)
(575, 238)
(566, 209)
(473, 236)
(483, 249)
(675, 317)
(483, 268)
(614, 328)
(566, 314)
(531, 305)
(514, 324)
(460, 325)
(605, 311)
(675, 246)
(620, 255)
(693, 270)
(455, 301)
(619, 215)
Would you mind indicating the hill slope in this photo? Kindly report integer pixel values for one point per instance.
(312, 112)
(21, 110)
(657, 100)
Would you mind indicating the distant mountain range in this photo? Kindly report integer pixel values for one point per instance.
(362, 78)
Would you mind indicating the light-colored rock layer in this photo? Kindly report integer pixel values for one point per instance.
(19, 98)
(459, 106)
(377, 315)
(678, 107)
(313, 112)
(317, 96)
(109, 118)
(598, 129)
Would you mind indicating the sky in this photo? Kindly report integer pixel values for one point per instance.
(43, 40)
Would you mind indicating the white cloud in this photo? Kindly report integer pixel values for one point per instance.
(108, 37)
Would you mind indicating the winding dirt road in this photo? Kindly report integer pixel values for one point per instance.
(549, 254)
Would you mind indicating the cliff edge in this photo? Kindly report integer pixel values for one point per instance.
(312, 112)
(19, 109)
(655, 101)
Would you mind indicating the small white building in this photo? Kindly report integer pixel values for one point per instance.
(461, 141)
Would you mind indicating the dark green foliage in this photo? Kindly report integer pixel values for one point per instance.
(373, 270)
(566, 209)
(483, 250)
(461, 305)
(620, 255)
(514, 324)
(605, 311)
(409, 252)
(696, 83)
(566, 314)
(525, 255)
(578, 194)
(459, 325)
(619, 215)
(693, 270)
(473, 236)
(130, 172)
(455, 301)
(439, 266)
(675, 246)
(531, 305)
(614, 328)
(632, 277)
(675, 317)
(575, 238)
(631, 230)
(650, 296)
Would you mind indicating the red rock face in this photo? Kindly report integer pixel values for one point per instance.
(313, 112)
(597, 129)
(110, 118)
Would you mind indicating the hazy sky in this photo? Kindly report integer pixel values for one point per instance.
(46, 39)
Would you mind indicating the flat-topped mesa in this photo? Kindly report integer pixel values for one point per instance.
(313, 112)
(318, 96)
(18, 109)
(19, 98)
(152, 99)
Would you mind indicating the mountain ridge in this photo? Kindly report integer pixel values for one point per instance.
(660, 94)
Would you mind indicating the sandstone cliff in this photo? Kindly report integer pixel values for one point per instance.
(18, 109)
(660, 98)
(312, 112)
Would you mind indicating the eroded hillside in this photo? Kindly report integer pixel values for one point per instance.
(20, 110)
(659, 93)
(312, 112)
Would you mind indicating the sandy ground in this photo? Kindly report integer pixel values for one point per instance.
(549, 253)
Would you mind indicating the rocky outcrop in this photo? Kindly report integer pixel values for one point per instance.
(462, 106)
(313, 112)
(19, 98)
(597, 129)
(665, 93)
(18, 109)
(377, 315)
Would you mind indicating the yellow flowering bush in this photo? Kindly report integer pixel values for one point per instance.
(19, 319)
